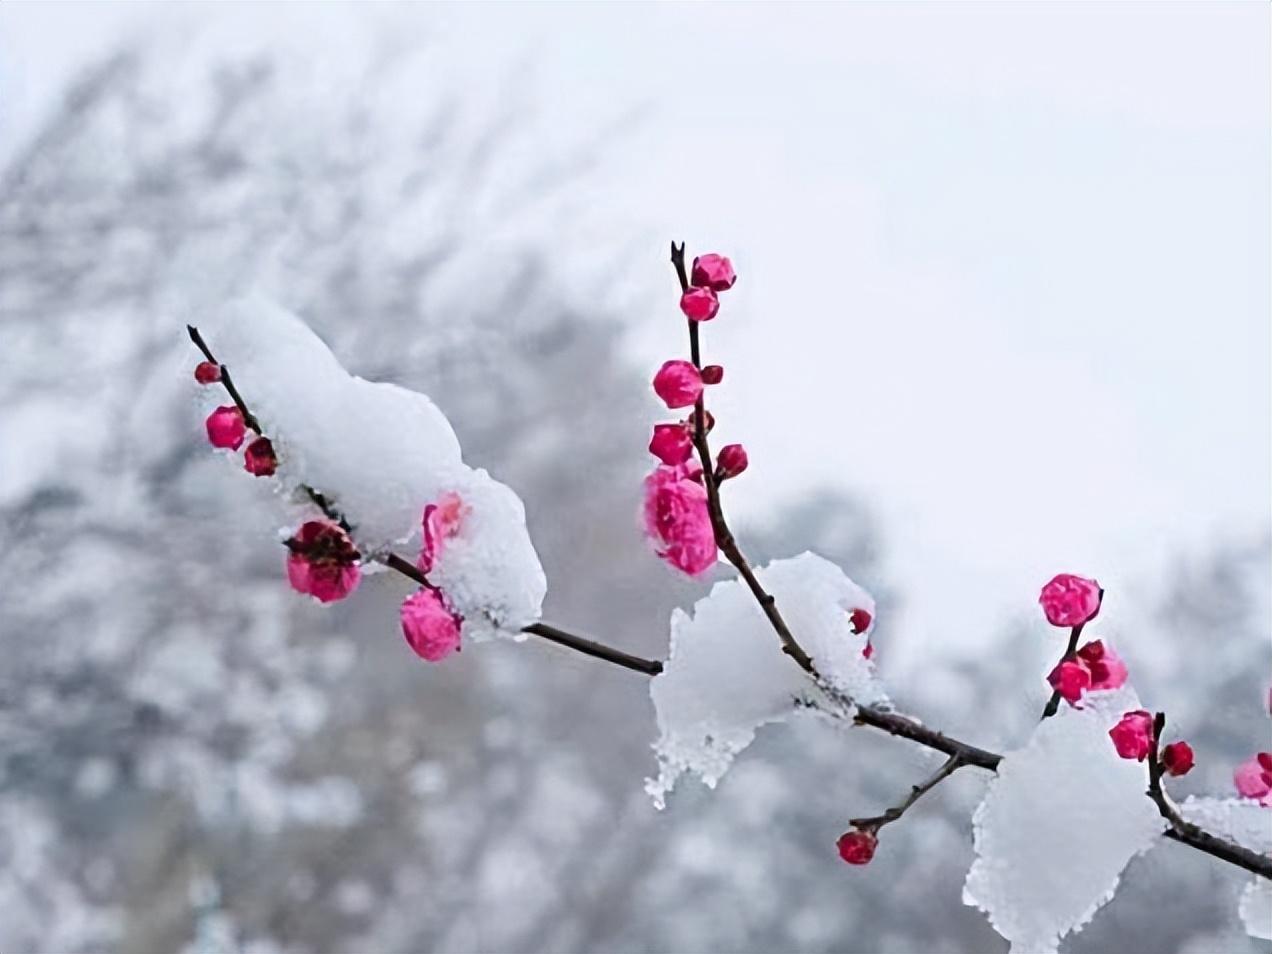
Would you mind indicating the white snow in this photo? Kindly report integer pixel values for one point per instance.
(379, 453)
(1248, 823)
(727, 674)
(1061, 819)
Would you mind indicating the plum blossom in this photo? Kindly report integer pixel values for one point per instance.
(699, 304)
(678, 383)
(713, 271)
(226, 428)
(857, 847)
(1253, 778)
(442, 521)
(259, 459)
(1133, 734)
(1177, 758)
(323, 561)
(672, 443)
(207, 372)
(1093, 667)
(677, 520)
(1070, 600)
(731, 461)
(429, 626)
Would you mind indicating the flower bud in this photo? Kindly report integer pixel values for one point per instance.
(1070, 600)
(731, 461)
(857, 847)
(712, 374)
(226, 428)
(713, 271)
(207, 372)
(671, 443)
(259, 459)
(678, 383)
(699, 304)
(1132, 736)
(1177, 758)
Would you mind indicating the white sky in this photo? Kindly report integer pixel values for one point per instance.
(1004, 268)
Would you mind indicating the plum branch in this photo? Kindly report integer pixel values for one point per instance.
(959, 753)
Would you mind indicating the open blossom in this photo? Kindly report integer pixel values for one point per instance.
(323, 561)
(1253, 778)
(678, 383)
(1133, 735)
(207, 372)
(672, 443)
(857, 847)
(259, 459)
(677, 520)
(226, 427)
(699, 304)
(429, 626)
(442, 521)
(1177, 758)
(1070, 600)
(713, 271)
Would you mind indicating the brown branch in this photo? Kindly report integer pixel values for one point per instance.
(1053, 703)
(960, 753)
(724, 537)
(248, 417)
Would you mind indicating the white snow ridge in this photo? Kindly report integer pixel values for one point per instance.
(380, 453)
(727, 674)
(1060, 820)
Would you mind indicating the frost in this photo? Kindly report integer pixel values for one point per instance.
(1059, 822)
(379, 453)
(1248, 823)
(727, 674)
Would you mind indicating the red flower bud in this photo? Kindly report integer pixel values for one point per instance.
(713, 271)
(207, 372)
(712, 374)
(259, 459)
(857, 847)
(1177, 758)
(699, 304)
(731, 461)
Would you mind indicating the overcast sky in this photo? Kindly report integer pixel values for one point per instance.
(1004, 268)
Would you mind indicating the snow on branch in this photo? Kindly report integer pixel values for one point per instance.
(375, 469)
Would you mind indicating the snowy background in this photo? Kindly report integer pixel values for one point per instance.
(1003, 311)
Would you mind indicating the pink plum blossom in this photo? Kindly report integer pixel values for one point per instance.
(442, 521)
(1070, 678)
(429, 626)
(678, 383)
(207, 372)
(731, 461)
(1177, 758)
(1070, 600)
(1133, 735)
(672, 443)
(677, 520)
(699, 304)
(226, 428)
(259, 459)
(860, 619)
(713, 271)
(857, 847)
(1253, 778)
(322, 561)
(1106, 667)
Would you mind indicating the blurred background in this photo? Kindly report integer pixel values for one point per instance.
(1003, 312)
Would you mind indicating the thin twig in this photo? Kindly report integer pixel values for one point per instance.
(873, 824)
(248, 417)
(1053, 704)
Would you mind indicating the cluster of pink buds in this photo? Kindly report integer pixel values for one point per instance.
(677, 514)
(1094, 666)
(1134, 737)
(430, 626)
(227, 428)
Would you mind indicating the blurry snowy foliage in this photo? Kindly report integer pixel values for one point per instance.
(194, 758)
